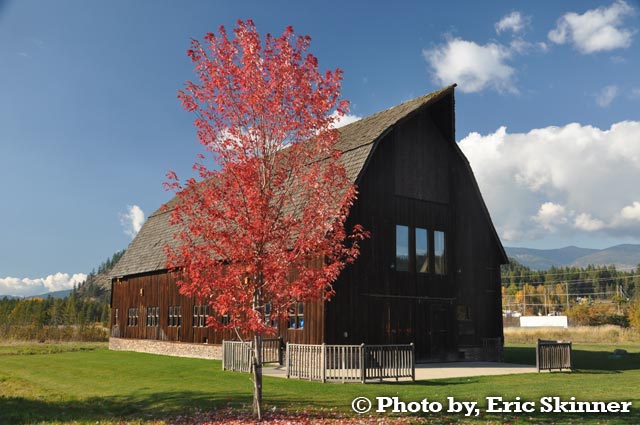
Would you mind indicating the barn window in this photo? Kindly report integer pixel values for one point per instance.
(132, 317)
(225, 319)
(152, 316)
(422, 250)
(296, 316)
(270, 320)
(175, 316)
(200, 313)
(440, 265)
(402, 248)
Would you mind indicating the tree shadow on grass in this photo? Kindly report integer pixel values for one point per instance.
(18, 410)
(584, 361)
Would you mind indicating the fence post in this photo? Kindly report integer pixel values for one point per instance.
(538, 355)
(323, 363)
(280, 348)
(413, 362)
(224, 347)
(363, 369)
(288, 359)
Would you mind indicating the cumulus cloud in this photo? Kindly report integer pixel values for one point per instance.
(595, 30)
(344, 119)
(25, 287)
(513, 21)
(550, 215)
(132, 220)
(473, 66)
(606, 96)
(631, 212)
(584, 221)
(565, 181)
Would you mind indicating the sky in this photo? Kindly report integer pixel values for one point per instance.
(547, 111)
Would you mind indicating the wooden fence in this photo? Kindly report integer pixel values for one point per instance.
(553, 355)
(350, 363)
(236, 355)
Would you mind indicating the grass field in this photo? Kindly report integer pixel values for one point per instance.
(86, 383)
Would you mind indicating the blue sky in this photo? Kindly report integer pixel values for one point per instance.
(90, 123)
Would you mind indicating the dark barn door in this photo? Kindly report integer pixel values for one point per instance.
(432, 331)
(440, 330)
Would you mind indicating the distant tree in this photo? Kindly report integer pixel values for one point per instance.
(264, 228)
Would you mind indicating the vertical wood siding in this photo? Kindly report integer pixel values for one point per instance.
(160, 290)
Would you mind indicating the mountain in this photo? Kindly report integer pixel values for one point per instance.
(622, 256)
(55, 294)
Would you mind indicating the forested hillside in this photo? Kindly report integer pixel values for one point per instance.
(83, 315)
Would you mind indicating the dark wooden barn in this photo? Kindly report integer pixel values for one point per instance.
(429, 274)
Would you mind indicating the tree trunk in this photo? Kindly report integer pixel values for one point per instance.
(257, 377)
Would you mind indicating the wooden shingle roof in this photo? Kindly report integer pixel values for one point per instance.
(146, 251)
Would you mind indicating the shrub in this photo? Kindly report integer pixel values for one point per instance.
(595, 315)
(633, 314)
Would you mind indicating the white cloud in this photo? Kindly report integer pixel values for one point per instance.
(549, 215)
(344, 119)
(514, 22)
(635, 93)
(473, 66)
(631, 212)
(606, 96)
(595, 30)
(566, 181)
(584, 221)
(132, 220)
(25, 287)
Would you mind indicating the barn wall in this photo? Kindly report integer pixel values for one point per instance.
(160, 290)
(417, 178)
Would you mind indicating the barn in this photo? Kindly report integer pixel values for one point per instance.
(429, 274)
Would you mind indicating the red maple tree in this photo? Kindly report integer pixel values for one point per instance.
(264, 227)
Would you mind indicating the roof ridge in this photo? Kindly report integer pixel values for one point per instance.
(425, 97)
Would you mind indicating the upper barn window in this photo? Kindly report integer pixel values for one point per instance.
(422, 250)
(402, 248)
(440, 264)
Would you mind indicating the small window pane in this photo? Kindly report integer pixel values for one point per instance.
(402, 248)
(422, 251)
(439, 252)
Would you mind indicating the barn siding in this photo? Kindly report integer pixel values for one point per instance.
(160, 290)
(416, 178)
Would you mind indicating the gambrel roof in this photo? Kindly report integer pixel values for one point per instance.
(357, 142)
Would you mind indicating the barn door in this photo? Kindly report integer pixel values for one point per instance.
(422, 334)
(440, 330)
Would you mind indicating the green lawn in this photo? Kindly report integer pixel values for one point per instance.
(86, 383)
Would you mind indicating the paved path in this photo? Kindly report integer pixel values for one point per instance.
(425, 371)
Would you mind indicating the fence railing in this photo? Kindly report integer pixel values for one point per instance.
(236, 355)
(389, 361)
(553, 355)
(272, 349)
(350, 363)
